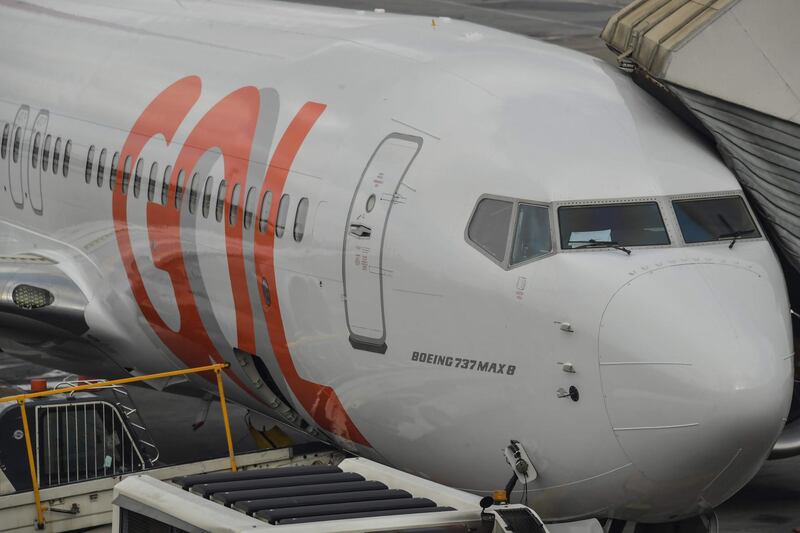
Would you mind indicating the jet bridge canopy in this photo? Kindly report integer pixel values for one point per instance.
(740, 51)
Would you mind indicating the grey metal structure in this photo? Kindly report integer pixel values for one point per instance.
(82, 441)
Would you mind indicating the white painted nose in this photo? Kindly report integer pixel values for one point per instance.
(697, 375)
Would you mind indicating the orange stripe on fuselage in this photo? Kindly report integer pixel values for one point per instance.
(163, 116)
(191, 342)
(230, 127)
(320, 401)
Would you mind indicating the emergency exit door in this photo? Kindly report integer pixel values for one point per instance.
(17, 155)
(35, 171)
(362, 261)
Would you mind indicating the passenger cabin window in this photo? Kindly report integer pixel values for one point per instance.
(220, 209)
(179, 189)
(193, 192)
(531, 234)
(151, 182)
(234, 211)
(283, 211)
(37, 144)
(4, 143)
(126, 175)
(89, 164)
(56, 155)
(165, 185)
(603, 226)
(137, 178)
(263, 214)
(715, 219)
(207, 190)
(249, 205)
(67, 157)
(101, 167)
(112, 177)
(300, 219)
(46, 153)
(17, 142)
(490, 225)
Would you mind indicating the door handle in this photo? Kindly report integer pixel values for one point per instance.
(360, 230)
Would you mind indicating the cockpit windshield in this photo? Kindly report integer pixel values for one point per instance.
(613, 226)
(714, 219)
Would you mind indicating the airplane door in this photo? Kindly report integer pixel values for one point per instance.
(17, 156)
(362, 256)
(35, 174)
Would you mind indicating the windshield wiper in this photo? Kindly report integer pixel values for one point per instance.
(736, 235)
(592, 243)
(732, 232)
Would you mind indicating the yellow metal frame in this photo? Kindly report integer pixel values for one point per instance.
(21, 398)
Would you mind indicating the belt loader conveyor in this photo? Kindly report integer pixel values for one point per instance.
(354, 495)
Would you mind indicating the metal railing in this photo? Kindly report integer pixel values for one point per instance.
(125, 403)
(126, 406)
(82, 441)
(117, 458)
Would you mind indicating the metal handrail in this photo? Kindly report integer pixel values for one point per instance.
(21, 398)
(130, 410)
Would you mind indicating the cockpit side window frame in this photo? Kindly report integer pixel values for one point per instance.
(513, 233)
(505, 264)
(710, 196)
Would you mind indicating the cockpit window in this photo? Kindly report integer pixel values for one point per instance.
(714, 219)
(532, 233)
(490, 225)
(591, 226)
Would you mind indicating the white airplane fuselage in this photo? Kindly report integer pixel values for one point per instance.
(368, 306)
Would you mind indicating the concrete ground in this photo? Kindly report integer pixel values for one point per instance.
(769, 504)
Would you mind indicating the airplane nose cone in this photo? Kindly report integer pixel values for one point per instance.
(696, 369)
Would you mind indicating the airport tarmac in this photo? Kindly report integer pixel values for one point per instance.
(770, 503)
